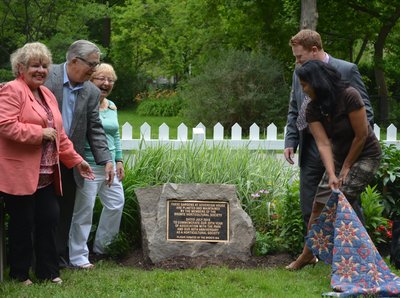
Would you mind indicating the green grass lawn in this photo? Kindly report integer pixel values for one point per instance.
(173, 122)
(154, 121)
(109, 279)
(136, 121)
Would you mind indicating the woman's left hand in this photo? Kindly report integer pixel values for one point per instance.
(343, 175)
(120, 171)
(85, 170)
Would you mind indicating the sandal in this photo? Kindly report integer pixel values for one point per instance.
(27, 282)
(86, 266)
(57, 281)
(300, 264)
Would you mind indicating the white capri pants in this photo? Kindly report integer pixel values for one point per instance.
(112, 199)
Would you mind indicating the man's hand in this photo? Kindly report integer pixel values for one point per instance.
(289, 155)
(85, 170)
(120, 171)
(109, 169)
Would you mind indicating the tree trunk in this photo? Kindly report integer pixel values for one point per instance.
(383, 99)
(362, 49)
(106, 32)
(309, 14)
(379, 71)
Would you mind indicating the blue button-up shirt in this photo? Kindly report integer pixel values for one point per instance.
(68, 104)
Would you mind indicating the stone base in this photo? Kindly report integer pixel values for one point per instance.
(153, 212)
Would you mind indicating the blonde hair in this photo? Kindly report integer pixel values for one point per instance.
(23, 55)
(105, 67)
(307, 39)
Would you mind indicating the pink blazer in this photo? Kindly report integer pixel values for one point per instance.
(21, 123)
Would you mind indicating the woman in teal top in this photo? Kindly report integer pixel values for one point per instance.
(111, 197)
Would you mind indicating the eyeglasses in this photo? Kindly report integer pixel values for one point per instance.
(90, 64)
(103, 79)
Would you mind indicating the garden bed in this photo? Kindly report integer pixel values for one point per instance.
(137, 260)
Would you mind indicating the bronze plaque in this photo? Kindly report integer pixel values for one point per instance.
(206, 221)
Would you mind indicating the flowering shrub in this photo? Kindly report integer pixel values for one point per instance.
(155, 94)
(385, 231)
(377, 225)
(263, 213)
(387, 178)
(159, 102)
(278, 220)
(262, 210)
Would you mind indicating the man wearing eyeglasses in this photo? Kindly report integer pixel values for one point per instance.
(78, 101)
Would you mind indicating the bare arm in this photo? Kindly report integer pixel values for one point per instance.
(325, 150)
(359, 123)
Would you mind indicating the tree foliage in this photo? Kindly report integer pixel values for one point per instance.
(366, 25)
(148, 39)
(57, 23)
(176, 37)
(237, 87)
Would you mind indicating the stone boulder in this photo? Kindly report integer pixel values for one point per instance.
(153, 212)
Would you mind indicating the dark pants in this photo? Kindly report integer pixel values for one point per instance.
(311, 173)
(66, 203)
(32, 224)
(395, 245)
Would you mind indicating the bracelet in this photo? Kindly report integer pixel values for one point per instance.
(121, 161)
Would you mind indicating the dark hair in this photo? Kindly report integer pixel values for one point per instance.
(326, 82)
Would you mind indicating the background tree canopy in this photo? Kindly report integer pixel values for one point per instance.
(175, 39)
(237, 87)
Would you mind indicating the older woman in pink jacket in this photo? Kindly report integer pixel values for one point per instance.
(32, 144)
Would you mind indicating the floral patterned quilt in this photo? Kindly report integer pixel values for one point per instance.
(340, 239)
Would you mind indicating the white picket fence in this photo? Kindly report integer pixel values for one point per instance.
(268, 141)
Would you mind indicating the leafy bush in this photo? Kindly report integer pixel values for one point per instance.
(128, 85)
(261, 208)
(373, 208)
(237, 87)
(290, 220)
(164, 104)
(265, 243)
(6, 75)
(284, 229)
(387, 179)
(119, 247)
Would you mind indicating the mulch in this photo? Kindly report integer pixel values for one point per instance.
(137, 260)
